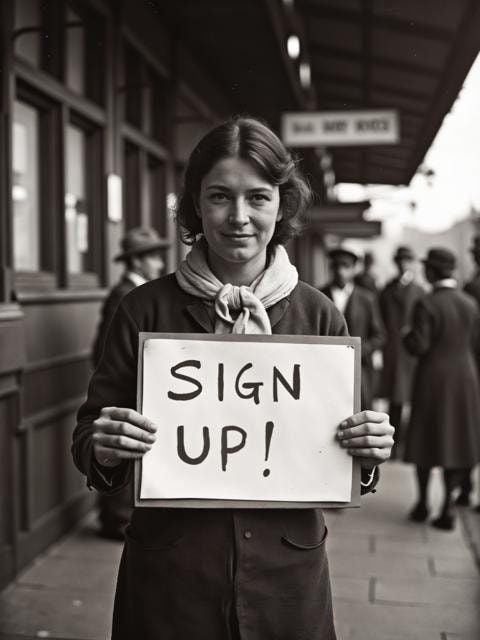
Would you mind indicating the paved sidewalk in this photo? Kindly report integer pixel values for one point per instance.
(392, 580)
(396, 580)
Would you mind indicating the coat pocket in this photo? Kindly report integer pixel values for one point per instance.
(305, 546)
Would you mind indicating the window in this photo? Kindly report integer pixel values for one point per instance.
(146, 95)
(75, 53)
(133, 88)
(28, 30)
(156, 105)
(83, 222)
(84, 63)
(131, 184)
(76, 214)
(58, 189)
(26, 187)
(156, 195)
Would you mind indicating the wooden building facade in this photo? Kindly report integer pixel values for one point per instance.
(89, 89)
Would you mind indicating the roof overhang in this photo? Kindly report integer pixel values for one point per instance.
(408, 55)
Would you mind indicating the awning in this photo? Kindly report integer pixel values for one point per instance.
(410, 55)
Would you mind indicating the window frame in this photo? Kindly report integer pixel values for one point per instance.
(146, 145)
(58, 106)
(47, 276)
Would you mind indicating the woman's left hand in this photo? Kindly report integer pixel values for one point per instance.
(368, 435)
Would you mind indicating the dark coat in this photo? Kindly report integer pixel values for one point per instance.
(444, 427)
(396, 305)
(366, 281)
(363, 320)
(114, 510)
(108, 309)
(473, 289)
(186, 573)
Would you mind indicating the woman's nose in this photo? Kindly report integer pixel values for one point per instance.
(239, 212)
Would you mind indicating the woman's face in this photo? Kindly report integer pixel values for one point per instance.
(239, 209)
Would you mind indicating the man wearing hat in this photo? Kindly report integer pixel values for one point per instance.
(366, 278)
(396, 303)
(143, 262)
(444, 429)
(140, 252)
(472, 288)
(360, 309)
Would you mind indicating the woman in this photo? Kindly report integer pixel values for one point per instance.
(444, 429)
(220, 573)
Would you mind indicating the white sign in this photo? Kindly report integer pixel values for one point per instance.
(340, 128)
(114, 197)
(247, 418)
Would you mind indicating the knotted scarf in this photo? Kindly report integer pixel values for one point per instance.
(238, 309)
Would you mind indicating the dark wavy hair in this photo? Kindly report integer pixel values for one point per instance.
(253, 141)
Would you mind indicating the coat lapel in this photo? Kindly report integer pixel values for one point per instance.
(351, 310)
(199, 312)
(278, 310)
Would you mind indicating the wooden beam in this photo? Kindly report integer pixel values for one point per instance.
(356, 104)
(348, 55)
(276, 20)
(398, 25)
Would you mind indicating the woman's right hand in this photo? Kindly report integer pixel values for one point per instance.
(121, 434)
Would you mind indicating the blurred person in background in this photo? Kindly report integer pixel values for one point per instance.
(140, 252)
(396, 301)
(365, 278)
(472, 288)
(444, 428)
(360, 309)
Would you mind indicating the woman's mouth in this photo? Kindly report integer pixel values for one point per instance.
(237, 237)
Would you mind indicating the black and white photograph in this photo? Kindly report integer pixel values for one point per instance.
(240, 319)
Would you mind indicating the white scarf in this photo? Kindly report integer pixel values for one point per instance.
(275, 283)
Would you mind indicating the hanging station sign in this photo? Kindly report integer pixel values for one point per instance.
(340, 128)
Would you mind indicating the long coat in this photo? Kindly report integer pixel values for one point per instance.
(444, 427)
(197, 573)
(114, 510)
(396, 305)
(473, 289)
(363, 320)
(108, 309)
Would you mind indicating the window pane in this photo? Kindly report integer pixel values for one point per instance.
(157, 106)
(76, 214)
(134, 87)
(26, 188)
(155, 194)
(131, 186)
(27, 15)
(75, 67)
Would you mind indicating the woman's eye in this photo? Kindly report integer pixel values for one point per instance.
(219, 197)
(260, 197)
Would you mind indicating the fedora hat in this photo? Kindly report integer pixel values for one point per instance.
(344, 249)
(441, 259)
(140, 240)
(404, 253)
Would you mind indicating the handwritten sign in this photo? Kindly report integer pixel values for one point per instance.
(246, 418)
